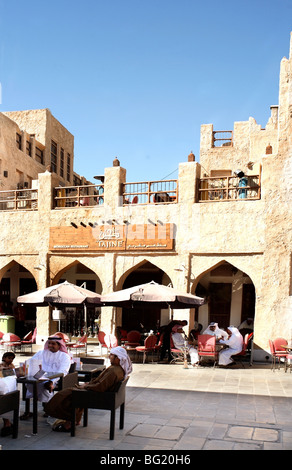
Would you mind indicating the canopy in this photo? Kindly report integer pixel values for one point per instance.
(60, 294)
(149, 294)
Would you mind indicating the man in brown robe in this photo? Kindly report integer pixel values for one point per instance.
(60, 406)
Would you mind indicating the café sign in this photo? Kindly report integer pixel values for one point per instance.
(134, 237)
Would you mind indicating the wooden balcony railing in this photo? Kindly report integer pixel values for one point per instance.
(79, 196)
(222, 138)
(229, 188)
(151, 192)
(24, 199)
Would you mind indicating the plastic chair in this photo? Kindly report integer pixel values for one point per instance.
(64, 337)
(11, 342)
(10, 402)
(100, 337)
(133, 339)
(207, 347)
(29, 340)
(246, 351)
(100, 401)
(277, 351)
(149, 346)
(176, 354)
(80, 344)
(110, 341)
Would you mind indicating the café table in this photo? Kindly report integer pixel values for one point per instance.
(31, 380)
(89, 371)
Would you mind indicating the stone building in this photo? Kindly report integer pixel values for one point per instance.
(222, 230)
(30, 142)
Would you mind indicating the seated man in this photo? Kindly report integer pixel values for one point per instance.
(179, 341)
(53, 358)
(165, 332)
(233, 345)
(214, 330)
(7, 363)
(60, 406)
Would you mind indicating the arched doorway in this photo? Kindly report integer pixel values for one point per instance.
(77, 320)
(230, 296)
(17, 280)
(145, 319)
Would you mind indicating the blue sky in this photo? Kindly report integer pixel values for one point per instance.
(137, 78)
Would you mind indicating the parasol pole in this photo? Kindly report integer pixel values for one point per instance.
(85, 311)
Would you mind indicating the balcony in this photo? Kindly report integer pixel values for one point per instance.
(15, 200)
(78, 196)
(222, 139)
(229, 188)
(150, 192)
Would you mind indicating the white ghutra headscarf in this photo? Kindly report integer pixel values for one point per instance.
(125, 361)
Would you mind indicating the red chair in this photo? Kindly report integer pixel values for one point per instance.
(133, 339)
(80, 344)
(207, 347)
(100, 337)
(246, 350)
(1, 336)
(277, 351)
(110, 341)
(11, 342)
(123, 335)
(149, 346)
(176, 354)
(29, 340)
(64, 337)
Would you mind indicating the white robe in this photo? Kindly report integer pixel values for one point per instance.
(234, 343)
(58, 362)
(218, 333)
(179, 343)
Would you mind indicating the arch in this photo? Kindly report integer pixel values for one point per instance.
(136, 267)
(142, 318)
(17, 279)
(11, 263)
(230, 292)
(237, 265)
(76, 322)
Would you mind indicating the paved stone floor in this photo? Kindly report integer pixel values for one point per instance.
(169, 408)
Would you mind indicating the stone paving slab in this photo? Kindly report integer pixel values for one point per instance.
(174, 409)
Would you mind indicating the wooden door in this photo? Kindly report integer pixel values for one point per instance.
(220, 303)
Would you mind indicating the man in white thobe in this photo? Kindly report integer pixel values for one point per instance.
(214, 330)
(180, 343)
(234, 346)
(54, 358)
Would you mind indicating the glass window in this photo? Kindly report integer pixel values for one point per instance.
(39, 155)
(62, 158)
(54, 149)
(68, 166)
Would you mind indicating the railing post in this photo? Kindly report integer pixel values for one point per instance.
(188, 180)
(114, 178)
(46, 184)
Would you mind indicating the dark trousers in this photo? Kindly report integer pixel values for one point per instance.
(165, 347)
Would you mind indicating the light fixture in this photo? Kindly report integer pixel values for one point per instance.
(181, 268)
(73, 225)
(83, 224)
(39, 267)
